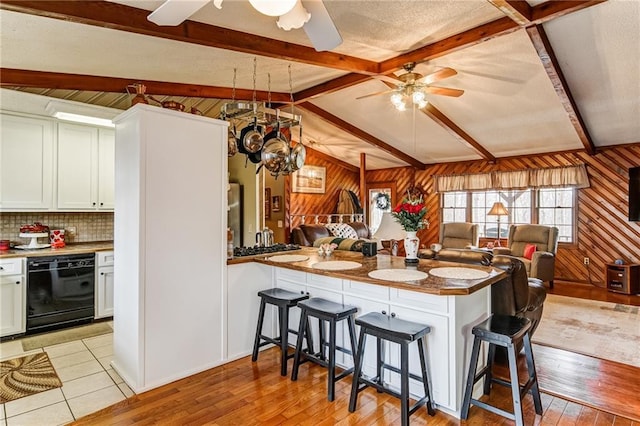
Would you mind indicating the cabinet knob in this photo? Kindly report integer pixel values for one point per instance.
(17, 282)
(384, 312)
(101, 273)
(102, 204)
(393, 314)
(1, 268)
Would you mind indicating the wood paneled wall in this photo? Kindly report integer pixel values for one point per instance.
(604, 231)
(337, 178)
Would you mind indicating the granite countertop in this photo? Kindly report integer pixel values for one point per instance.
(72, 248)
(431, 284)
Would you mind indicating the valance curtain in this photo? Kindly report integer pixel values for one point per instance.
(557, 177)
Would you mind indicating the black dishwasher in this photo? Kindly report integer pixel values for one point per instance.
(60, 291)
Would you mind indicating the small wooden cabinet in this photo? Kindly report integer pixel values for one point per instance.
(623, 278)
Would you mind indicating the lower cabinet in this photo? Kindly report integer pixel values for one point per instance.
(104, 284)
(13, 293)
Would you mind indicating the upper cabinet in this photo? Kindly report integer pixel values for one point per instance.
(85, 167)
(26, 163)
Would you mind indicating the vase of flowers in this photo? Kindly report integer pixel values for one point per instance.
(410, 214)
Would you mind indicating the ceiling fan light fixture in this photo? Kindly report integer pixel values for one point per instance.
(295, 18)
(273, 7)
(396, 98)
(422, 104)
(417, 97)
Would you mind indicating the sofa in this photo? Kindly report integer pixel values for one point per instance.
(305, 235)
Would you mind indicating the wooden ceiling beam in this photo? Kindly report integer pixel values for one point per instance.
(125, 18)
(553, 9)
(53, 80)
(454, 130)
(329, 86)
(333, 160)
(518, 11)
(361, 134)
(552, 67)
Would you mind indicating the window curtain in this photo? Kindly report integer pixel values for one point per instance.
(557, 177)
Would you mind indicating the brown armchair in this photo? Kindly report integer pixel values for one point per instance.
(454, 235)
(545, 238)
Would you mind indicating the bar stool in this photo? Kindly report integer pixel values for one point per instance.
(392, 329)
(284, 300)
(505, 331)
(331, 312)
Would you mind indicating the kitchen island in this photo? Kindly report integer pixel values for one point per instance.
(450, 306)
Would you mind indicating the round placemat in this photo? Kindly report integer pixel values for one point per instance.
(398, 275)
(336, 265)
(459, 273)
(284, 258)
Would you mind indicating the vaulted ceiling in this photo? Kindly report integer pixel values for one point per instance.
(537, 76)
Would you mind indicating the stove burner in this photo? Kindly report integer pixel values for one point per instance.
(256, 250)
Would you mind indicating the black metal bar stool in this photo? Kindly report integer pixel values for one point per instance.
(392, 329)
(505, 331)
(331, 312)
(284, 300)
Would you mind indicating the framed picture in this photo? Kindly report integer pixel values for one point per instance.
(267, 203)
(276, 200)
(309, 179)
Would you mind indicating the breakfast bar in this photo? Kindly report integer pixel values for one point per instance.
(451, 304)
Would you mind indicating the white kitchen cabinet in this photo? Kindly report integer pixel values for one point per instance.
(104, 284)
(85, 167)
(170, 234)
(244, 281)
(13, 292)
(26, 163)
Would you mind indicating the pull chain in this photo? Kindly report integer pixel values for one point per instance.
(255, 64)
(233, 91)
(269, 89)
(291, 91)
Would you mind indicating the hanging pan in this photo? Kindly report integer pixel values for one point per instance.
(251, 137)
(275, 153)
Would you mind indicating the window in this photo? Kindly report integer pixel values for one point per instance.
(556, 207)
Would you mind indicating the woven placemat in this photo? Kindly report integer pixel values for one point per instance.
(284, 258)
(336, 265)
(459, 273)
(26, 375)
(398, 275)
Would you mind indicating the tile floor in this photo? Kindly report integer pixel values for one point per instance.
(88, 383)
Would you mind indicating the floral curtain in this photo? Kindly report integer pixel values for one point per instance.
(557, 177)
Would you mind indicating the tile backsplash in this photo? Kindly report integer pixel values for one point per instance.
(89, 226)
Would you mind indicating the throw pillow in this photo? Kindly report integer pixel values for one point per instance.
(342, 230)
(528, 251)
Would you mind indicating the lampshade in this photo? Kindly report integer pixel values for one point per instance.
(295, 18)
(498, 209)
(273, 7)
(389, 229)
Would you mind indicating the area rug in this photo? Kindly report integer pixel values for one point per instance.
(24, 376)
(600, 329)
(64, 336)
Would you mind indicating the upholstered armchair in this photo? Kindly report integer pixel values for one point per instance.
(541, 265)
(454, 235)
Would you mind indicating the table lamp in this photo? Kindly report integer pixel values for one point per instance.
(498, 209)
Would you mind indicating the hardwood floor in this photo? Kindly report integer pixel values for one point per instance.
(577, 390)
(246, 393)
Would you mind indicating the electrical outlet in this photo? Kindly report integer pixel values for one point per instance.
(72, 231)
(586, 261)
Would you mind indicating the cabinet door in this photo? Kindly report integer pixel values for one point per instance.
(77, 167)
(106, 168)
(104, 292)
(438, 357)
(244, 281)
(12, 305)
(26, 163)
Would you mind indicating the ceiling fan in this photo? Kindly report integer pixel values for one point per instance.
(412, 87)
(311, 15)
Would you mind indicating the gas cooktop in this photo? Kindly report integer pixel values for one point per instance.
(256, 250)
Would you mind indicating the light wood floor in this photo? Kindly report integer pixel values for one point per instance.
(577, 390)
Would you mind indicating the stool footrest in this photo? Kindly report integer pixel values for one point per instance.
(397, 370)
(374, 383)
(493, 409)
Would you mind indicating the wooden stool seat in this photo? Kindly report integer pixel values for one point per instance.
(283, 300)
(390, 328)
(505, 331)
(332, 313)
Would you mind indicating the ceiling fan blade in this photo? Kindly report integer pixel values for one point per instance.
(174, 12)
(388, 79)
(444, 91)
(438, 75)
(320, 29)
(375, 94)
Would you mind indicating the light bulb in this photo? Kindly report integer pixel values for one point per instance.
(396, 99)
(422, 104)
(401, 106)
(418, 97)
(273, 7)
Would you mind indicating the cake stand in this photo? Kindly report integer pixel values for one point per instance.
(33, 244)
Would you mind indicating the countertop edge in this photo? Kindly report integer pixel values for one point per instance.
(73, 248)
